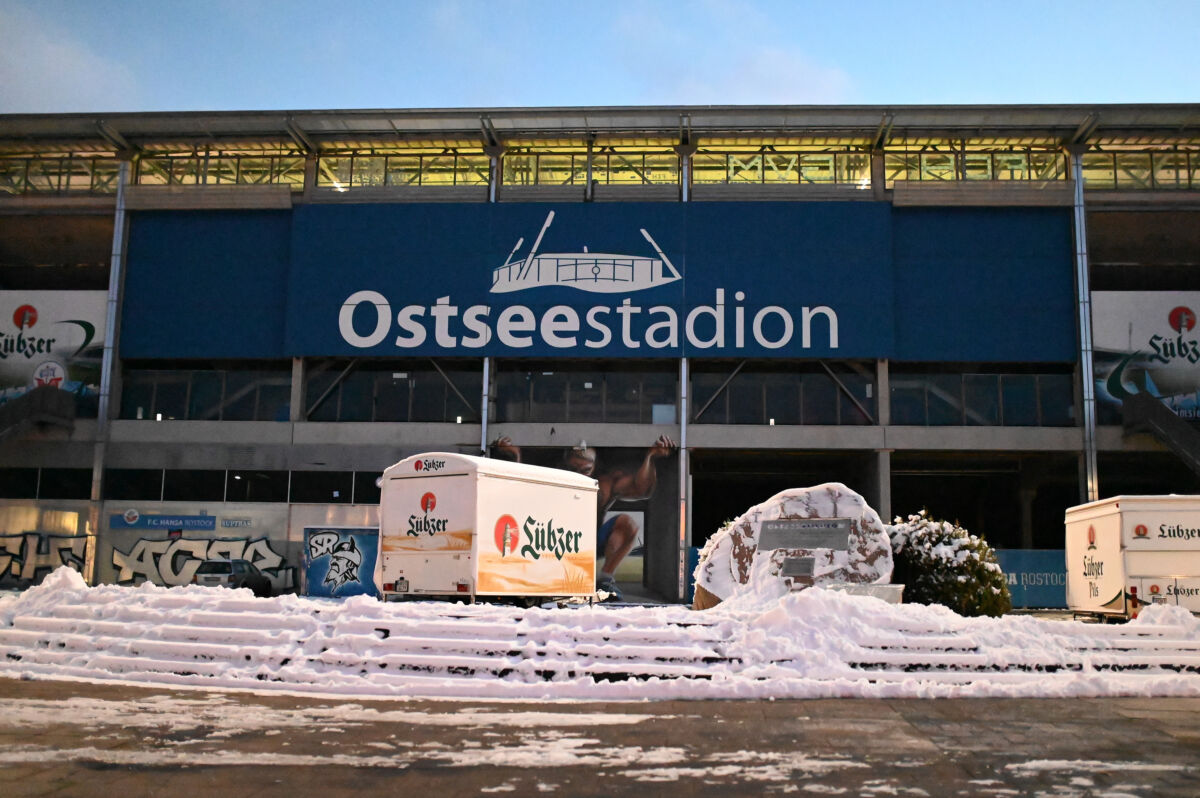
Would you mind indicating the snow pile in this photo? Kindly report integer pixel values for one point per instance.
(730, 561)
(764, 643)
(941, 563)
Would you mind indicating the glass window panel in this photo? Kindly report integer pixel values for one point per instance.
(782, 398)
(854, 168)
(982, 392)
(153, 171)
(622, 397)
(368, 170)
(470, 384)
(556, 169)
(820, 399)
(745, 168)
(403, 170)
(205, 400)
(185, 171)
(12, 175)
(472, 170)
(817, 167)
(662, 168)
(586, 397)
(290, 171)
(519, 169)
(977, 165)
(908, 401)
(137, 395)
(945, 399)
(391, 396)
(366, 487)
(746, 399)
(256, 486)
(859, 387)
(65, 483)
(77, 174)
(133, 484)
(241, 396)
(900, 166)
(1019, 392)
(1170, 170)
(274, 400)
(18, 483)
(549, 396)
(170, 398)
(1048, 166)
(438, 170)
(704, 387)
(708, 168)
(1133, 170)
(357, 395)
(1056, 398)
(659, 394)
(1098, 170)
(43, 176)
(222, 171)
(781, 167)
(512, 395)
(937, 166)
(316, 385)
(626, 168)
(1011, 165)
(428, 397)
(322, 487)
(193, 485)
(334, 172)
(105, 172)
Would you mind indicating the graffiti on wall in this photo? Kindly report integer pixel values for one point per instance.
(173, 561)
(340, 561)
(26, 558)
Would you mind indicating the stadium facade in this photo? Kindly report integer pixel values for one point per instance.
(218, 329)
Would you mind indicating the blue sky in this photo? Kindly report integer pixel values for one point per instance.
(138, 55)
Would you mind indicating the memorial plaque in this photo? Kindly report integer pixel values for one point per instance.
(799, 567)
(805, 533)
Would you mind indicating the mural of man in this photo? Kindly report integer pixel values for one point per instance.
(616, 536)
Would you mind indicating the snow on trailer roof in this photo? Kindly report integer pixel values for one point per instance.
(430, 463)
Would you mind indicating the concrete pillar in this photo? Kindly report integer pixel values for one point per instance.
(883, 389)
(297, 396)
(882, 501)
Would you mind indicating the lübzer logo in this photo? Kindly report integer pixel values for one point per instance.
(1140, 531)
(418, 524)
(1091, 537)
(545, 538)
(429, 465)
(1154, 590)
(1182, 320)
(507, 535)
(598, 327)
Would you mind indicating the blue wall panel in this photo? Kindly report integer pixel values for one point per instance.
(209, 284)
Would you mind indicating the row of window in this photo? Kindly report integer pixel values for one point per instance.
(800, 393)
(1150, 170)
(194, 485)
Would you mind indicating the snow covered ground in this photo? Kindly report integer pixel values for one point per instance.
(809, 644)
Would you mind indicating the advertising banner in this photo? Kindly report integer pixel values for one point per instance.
(165, 542)
(340, 561)
(51, 338)
(1036, 577)
(605, 280)
(1147, 342)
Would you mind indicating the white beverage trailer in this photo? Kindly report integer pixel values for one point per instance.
(1129, 551)
(453, 525)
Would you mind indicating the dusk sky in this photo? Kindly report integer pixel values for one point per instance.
(164, 55)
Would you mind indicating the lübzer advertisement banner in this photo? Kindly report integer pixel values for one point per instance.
(51, 338)
(1147, 342)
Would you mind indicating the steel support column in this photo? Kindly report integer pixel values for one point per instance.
(684, 479)
(107, 363)
(1083, 294)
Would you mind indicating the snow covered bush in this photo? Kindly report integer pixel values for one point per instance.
(941, 563)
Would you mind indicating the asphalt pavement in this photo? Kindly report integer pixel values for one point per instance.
(78, 739)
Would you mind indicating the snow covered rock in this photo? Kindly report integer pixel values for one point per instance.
(731, 564)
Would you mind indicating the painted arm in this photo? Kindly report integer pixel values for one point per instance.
(640, 484)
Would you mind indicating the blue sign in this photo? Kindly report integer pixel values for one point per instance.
(1036, 577)
(132, 519)
(603, 280)
(340, 561)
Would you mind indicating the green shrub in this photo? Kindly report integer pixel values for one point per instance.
(941, 563)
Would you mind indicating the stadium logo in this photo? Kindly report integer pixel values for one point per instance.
(596, 272)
